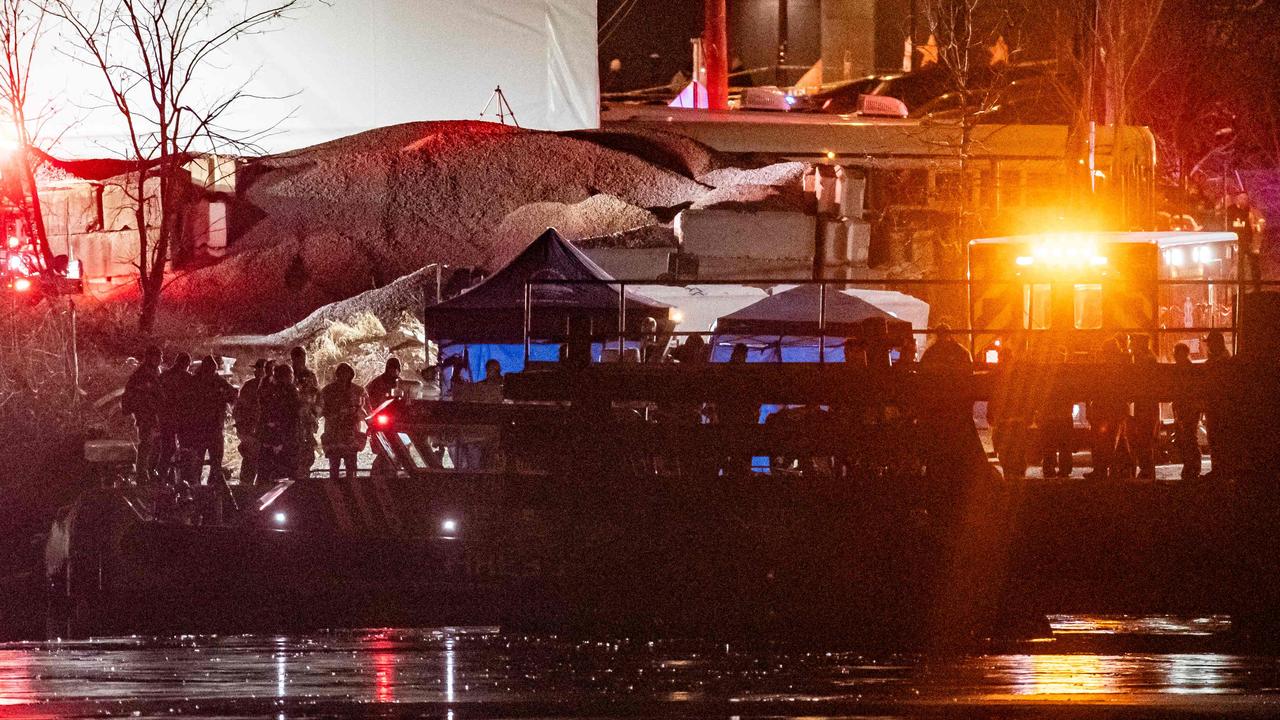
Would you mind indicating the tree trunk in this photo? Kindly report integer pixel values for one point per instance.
(150, 304)
(36, 219)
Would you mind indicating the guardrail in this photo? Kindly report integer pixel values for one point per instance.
(827, 285)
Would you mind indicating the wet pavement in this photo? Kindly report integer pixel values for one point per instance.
(472, 673)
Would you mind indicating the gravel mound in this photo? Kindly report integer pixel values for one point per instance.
(672, 151)
(372, 311)
(595, 216)
(788, 173)
(757, 197)
(648, 236)
(356, 213)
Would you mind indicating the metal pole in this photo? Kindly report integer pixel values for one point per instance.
(527, 320)
(779, 74)
(75, 354)
(822, 324)
(622, 317)
(715, 53)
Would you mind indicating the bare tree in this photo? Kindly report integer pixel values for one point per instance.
(154, 56)
(970, 51)
(22, 26)
(1103, 46)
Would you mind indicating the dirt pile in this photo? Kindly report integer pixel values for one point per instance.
(332, 221)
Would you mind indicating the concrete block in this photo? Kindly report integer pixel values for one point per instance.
(825, 188)
(631, 263)
(851, 186)
(722, 268)
(766, 235)
(845, 242)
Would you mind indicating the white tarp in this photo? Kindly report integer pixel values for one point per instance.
(351, 65)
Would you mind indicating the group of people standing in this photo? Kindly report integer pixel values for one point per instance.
(180, 413)
(1123, 433)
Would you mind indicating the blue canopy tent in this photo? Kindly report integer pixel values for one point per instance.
(784, 327)
(487, 321)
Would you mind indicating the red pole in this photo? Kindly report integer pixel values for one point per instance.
(715, 49)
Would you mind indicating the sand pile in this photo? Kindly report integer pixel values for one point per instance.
(332, 221)
(370, 312)
(357, 213)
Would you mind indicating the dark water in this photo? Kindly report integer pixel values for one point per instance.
(455, 674)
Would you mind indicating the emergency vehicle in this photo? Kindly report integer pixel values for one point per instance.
(1072, 290)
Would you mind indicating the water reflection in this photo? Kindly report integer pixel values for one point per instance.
(15, 678)
(495, 674)
(1064, 674)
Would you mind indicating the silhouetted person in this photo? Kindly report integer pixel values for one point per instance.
(142, 399)
(280, 428)
(946, 352)
(578, 344)
(379, 390)
(175, 383)
(953, 453)
(1009, 412)
(878, 345)
(383, 387)
(1217, 410)
(737, 412)
(245, 414)
(1145, 422)
(489, 390)
(1239, 222)
(308, 385)
(1057, 430)
(1186, 419)
(1107, 415)
(344, 405)
(652, 347)
(204, 433)
(692, 352)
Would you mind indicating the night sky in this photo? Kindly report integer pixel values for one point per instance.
(646, 28)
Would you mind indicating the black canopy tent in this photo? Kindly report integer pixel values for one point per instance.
(489, 319)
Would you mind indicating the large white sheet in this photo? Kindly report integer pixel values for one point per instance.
(352, 65)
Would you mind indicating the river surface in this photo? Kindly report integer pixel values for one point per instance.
(455, 674)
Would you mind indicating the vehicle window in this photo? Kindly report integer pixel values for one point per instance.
(1037, 304)
(1088, 306)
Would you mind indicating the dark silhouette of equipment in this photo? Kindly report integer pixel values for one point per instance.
(501, 108)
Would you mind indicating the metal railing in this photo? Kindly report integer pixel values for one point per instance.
(826, 285)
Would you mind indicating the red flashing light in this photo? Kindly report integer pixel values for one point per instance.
(382, 419)
(14, 243)
(21, 285)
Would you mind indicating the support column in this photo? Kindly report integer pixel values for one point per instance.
(715, 48)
